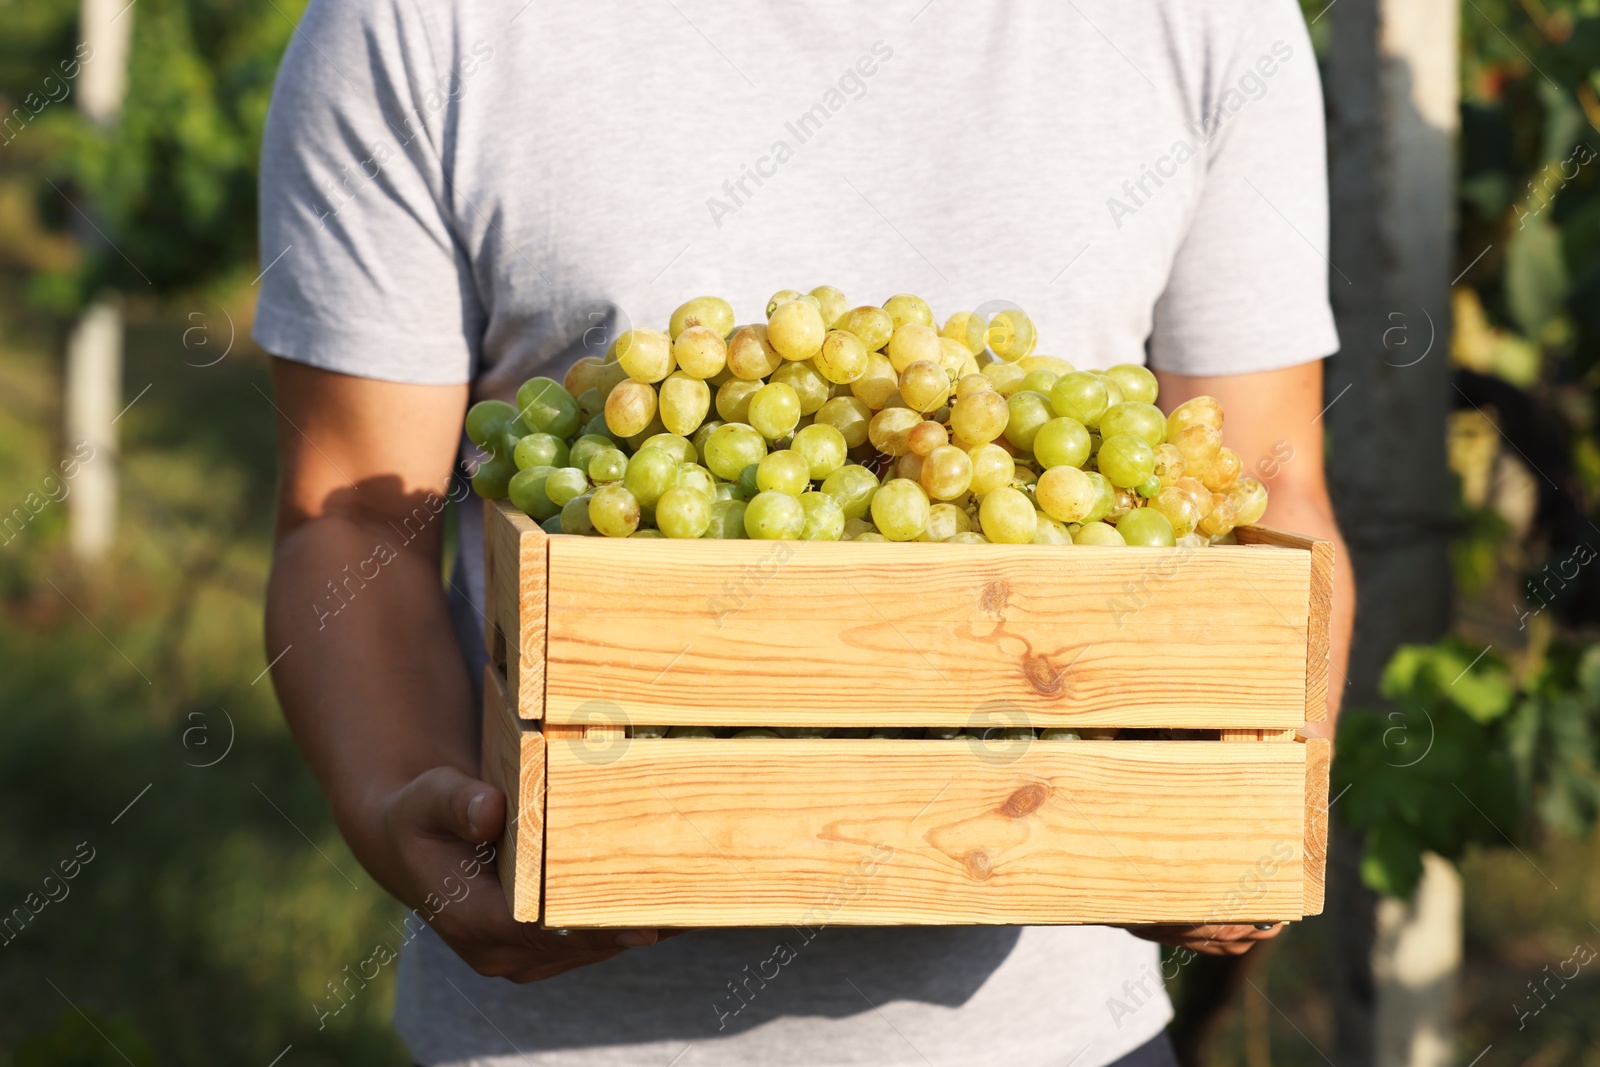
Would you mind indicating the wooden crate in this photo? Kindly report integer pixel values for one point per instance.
(589, 637)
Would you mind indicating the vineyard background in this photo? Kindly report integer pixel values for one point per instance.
(220, 902)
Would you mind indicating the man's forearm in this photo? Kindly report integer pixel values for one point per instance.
(372, 685)
(1289, 511)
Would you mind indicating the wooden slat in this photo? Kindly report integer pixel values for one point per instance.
(513, 761)
(515, 560)
(1319, 757)
(751, 832)
(1320, 604)
(1257, 735)
(816, 633)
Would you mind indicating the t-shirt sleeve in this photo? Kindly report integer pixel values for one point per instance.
(362, 268)
(1248, 290)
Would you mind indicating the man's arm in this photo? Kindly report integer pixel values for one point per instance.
(369, 677)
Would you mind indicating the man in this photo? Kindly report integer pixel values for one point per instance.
(458, 196)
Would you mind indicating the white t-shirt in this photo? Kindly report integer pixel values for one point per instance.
(484, 191)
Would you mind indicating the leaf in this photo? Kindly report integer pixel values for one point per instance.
(1536, 273)
(1392, 864)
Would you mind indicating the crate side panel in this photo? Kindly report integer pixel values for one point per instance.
(790, 832)
(1319, 756)
(513, 762)
(796, 633)
(515, 578)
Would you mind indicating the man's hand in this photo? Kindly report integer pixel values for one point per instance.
(1211, 939)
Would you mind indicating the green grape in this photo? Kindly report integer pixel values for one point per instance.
(1146, 527)
(980, 417)
(591, 402)
(539, 450)
(1105, 497)
(487, 420)
(992, 467)
(727, 521)
(796, 329)
(679, 448)
(751, 355)
(1054, 364)
(913, 343)
(900, 509)
(683, 403)
(700, 437)
(733, 399)
(551, 525)
(1059, 733)
(872, 326)
(725, 491)
(904, 308)
(1028, 412)
(684, 511)
(596, 427)
(781, 297)
(710, 312)
(834, 303)
(613, 511)
(890, 430)
(700, 352)
(1136, 382)
(693, 476)
(565, 483)
(823, 447)
(1061, 442)
(731, 448)
(646, 355)
(630, 408)
(1050, 532)
(492, 479)
(527, 495)
(1007, 516)
(824, 518)
(747, 483)
(971, 537)
(785, 471)
(774, 516)
(811, 387)
(924, 386)
(1066, 494)
(870, 535)
(608, 465)
(847, 415)
(1040, 381)
(1097, 533)
(1126, 460)
(944, 522)
(1006, 377)
(692, 731)
(853, 487)
(774, 410)
(548, 408)
(946, 473)
(1113, 390)
(854, 528)
(1149, 487)
(586, 448)
(1141, 420)
(575, 516)
(651, 472)
(1080, 395)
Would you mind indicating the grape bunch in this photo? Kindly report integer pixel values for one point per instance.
(833, 423)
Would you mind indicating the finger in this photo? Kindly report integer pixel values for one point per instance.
(446, 801)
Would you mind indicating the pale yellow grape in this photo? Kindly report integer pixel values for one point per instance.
(682, 403)
(900, 509)
(1113, 390)
(680, 448)
(1054, 364)
(1050, 532)
(1040, 381)
(824, 448)
(890, 429)
(904, 308)
(1223, 472)
(1097, 533)
(909, 466)
(613, 511)
(693, 476)
(1179, 509)
(843, 357)
(1169, 463)
(608, 465)
(750, 353)
(924, 386)
(683, 512)
(1137, 383)
(946, 473)
(980, 417)
(727, 521)
(774, 410)
(731, 448)
(1198, 493)
(583, 375)
(972, 383)
(808, 385)
(1200, 411)
(926, 436)
(1200, 444)
(834, 303)
(774, 516)
(781, 297)
(1029, 411)
(611, 374)
(784, 471)
(870, 535)
(955, 359)
(700, 352)
(1066, 494)
(1082, 396)
(992, 467)
(944, 522)
(1007, 516)
(1146, 527)
(911, 343)
(853, 487)
(1126, 459)
(871, 325)
(878, 384)
(1249, 498)
(710, 312)
(1061, 442)
(854, 528)
(645, 354)
(1139, 419)
(630, 408)
(1105, 496)
(1223, 516)
(733, 399)
(796, 330)
(1026, 475)
(647, 533)
(707, 428)
(847, 415)
(1011, 336)
(824, 518)
(965, 329)
(1007, 377)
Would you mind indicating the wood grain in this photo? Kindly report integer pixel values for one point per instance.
(1319, 757)
(1257, 735)
(513, 761)
(1320, 602)
(808, 833)
(515, 561)
(817, 633)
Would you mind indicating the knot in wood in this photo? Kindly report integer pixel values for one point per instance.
(1042, 675)
(1025, 801)
(995, 596)
(978, 865)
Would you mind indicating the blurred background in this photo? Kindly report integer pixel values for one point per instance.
(171, 887)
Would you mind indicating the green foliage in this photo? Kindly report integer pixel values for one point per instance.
(1465, 756)
(80, 1040)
